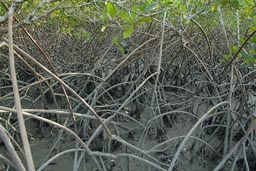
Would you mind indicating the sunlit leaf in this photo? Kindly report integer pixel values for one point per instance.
(144, 20)
(125, 17)
(227, 57)
(134, 15)
(234, 49)
(241, 41)
(111, 9)
(128, 31)
(214, 8)
(252, 29)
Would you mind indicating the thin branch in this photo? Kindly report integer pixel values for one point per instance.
(11, 149)
(24, 137)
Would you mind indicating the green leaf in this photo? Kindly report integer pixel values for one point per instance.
(253, 40)
(119, 42)
(125, 17)
(151, 7)
(144, 20)
(227, 57)
(252, 60)
(128, 31)
(111, 9)
(246, 61)
(249, 59)
(224, 2)
(252, 52)
(122, 51)
(134, 15)
(239, 55)
(234, 49)
(251, 29)
(115, 41)
(123, 42)
(241, 41)
(235, 4)
(214, 8)
(221, 60)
